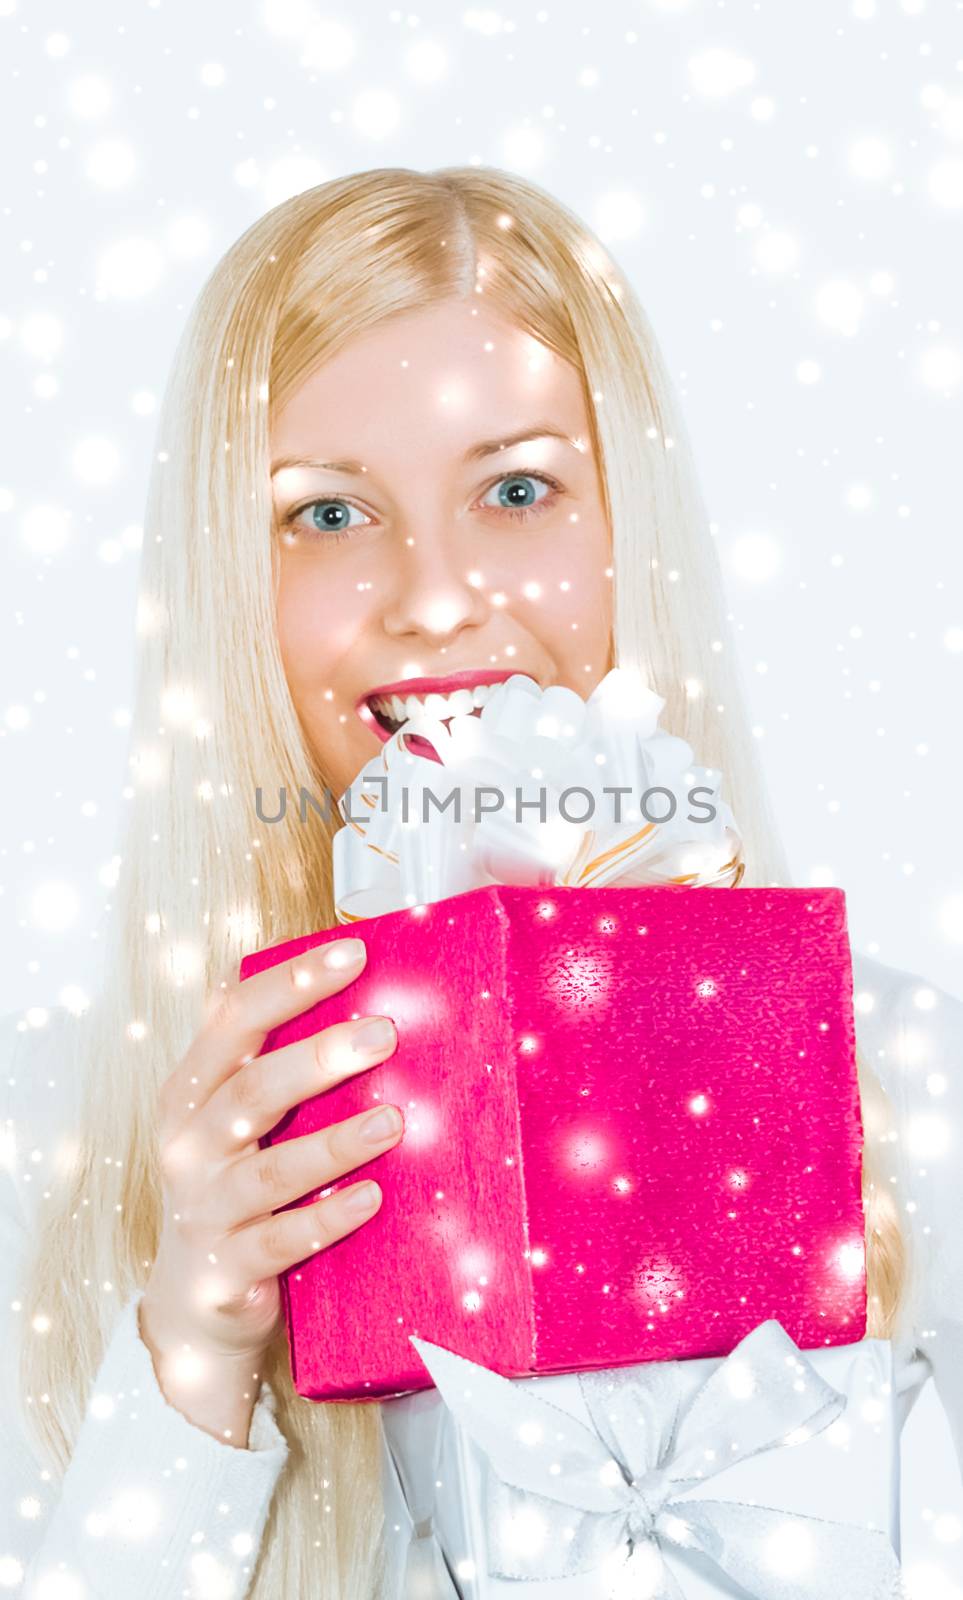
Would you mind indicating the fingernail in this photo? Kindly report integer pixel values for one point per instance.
(381, 1124)
(364, 1198)
(375, 1034)
(343, 953)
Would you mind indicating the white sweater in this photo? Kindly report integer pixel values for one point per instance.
(153, 1508)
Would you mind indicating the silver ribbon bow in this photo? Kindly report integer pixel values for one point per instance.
(401, 848)
(563, 1499)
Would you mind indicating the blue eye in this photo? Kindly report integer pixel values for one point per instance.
(329, 518)
(516, 496)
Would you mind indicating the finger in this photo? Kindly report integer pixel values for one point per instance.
(254, 1099)
(266, 1179)
(240, 1016)
(272, 1245)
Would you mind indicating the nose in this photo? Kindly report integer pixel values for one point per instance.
(429, 592)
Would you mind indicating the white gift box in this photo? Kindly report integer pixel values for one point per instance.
(773, 1472)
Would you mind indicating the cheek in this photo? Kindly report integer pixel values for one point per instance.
(316, 621)
(564, 581)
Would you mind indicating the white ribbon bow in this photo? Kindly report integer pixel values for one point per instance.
(531, 745)
(563, 1499)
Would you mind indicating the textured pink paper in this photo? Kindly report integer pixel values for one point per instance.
(632, 1134)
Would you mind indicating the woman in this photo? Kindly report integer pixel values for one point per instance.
(398, 330)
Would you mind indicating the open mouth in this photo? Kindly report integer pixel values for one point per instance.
(387, 713)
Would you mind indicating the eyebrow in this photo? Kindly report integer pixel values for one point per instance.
(476, 452)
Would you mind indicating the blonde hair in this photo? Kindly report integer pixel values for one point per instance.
(201, 882)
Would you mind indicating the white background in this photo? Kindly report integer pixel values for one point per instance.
(783, 184)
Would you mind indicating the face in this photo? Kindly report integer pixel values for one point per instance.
(441, 525)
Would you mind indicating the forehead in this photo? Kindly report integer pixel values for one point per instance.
(433, 381)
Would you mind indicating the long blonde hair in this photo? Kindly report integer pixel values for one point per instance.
(201, 881)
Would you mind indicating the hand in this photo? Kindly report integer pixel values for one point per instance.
(213, 1285)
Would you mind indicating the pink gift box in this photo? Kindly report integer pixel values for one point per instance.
(632, 1133)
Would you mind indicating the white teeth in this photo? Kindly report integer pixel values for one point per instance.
(461, 702)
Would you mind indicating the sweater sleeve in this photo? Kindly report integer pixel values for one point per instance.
(150, 1505)
(915, 1033)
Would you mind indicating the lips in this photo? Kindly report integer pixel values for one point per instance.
(384, 709)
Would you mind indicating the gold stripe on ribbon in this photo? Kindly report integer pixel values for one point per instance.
(389, 855)
(624, 851)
